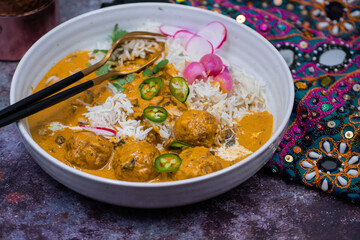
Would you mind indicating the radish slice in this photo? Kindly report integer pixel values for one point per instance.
(215, 32)
(169, 30)
(184, 35)
(100, 130)
(198, 47)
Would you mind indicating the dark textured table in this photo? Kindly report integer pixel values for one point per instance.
(34, 206)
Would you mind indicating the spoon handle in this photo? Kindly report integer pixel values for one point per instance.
(41, 94)
(48, 102)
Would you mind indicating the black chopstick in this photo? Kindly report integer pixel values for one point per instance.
(47, 102)
(48, 91)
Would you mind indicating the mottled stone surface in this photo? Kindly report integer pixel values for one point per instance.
(34, 206)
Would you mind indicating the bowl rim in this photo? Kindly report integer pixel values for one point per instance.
(27, 136)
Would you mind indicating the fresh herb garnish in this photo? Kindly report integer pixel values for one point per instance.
(130, 78)
(160, 65)
(119, 87)
(103, 70)
(116, 34)
(119, 83)
(148, 72)
(100, 50)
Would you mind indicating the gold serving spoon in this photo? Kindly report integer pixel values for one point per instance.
(45, 98)
(127, 37)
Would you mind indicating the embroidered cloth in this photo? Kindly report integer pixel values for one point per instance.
(320, 42)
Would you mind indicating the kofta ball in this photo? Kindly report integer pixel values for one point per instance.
(134, 161)
(196, 161)
(196, 128)
(88, 150)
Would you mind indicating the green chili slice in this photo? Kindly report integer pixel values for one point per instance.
(168, 162)
(150, 87)
(179, 88)
(155, 113)
(177, 144)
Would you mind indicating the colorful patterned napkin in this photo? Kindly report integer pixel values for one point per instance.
(320, 41)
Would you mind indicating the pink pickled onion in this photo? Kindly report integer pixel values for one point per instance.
(212, 63)
(194, 71)
(100, 130)
(225, 80)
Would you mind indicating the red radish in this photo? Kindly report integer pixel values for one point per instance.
(194, 71)
(100, 130)
(225, 80)
(169, 30)
(198, 47)
(212, 63)
(184, 35)
(215, 32)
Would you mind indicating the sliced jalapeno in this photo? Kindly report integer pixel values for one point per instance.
(179, 88)
(150, 87)
(168, 162)
(177, 144)
(155, 113)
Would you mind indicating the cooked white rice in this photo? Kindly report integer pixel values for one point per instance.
(134, 49)
(177, 55)
(114, 113)
(247, 94)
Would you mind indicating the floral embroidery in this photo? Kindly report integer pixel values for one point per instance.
(336, 16)
(332, 164)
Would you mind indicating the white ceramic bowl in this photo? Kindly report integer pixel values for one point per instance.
(244, 48)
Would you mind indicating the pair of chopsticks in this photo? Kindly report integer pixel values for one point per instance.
(45, 98)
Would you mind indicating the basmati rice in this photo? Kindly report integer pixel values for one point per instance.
(114, 114)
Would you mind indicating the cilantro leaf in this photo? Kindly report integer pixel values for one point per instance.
(130, 77)
(119, 83)
(100, 50)
(147, 72)
(160, 65)
(103, 70)
(119, 87)
(116, 34)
